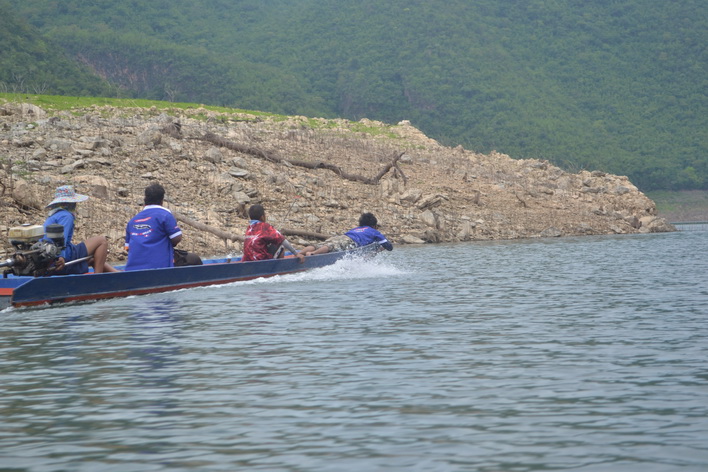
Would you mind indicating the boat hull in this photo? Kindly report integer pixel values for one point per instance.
(29, 291)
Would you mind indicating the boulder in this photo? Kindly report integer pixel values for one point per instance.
(410, 239)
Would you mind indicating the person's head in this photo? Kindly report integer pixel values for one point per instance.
(154, 194)
(66, 206)
(368, 219)
(256, 212)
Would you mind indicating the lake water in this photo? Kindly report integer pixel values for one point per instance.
(582, 354)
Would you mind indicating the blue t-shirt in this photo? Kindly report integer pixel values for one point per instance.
(364, 235)
(148, 238)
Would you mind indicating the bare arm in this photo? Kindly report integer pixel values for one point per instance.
(289, 247)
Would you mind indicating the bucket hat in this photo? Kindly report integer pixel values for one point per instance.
(66, 194)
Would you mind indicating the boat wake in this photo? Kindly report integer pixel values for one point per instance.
(349, 268)
(344, 269)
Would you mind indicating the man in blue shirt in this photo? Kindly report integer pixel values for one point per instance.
(366, 233)
(152, 234)
(62, 211)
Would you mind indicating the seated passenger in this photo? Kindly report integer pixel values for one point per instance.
(62, 211)
(262, 240)
(152, 234)
(366, 233)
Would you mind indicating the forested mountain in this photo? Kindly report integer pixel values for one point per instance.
(28, 63)
(616, 85)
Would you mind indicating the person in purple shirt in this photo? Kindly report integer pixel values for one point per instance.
(152, 234)
(366, 233)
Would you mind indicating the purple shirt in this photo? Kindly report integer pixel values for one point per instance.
(364, 235)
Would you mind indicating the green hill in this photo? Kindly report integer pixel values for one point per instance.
(603, 85)
(29, 63)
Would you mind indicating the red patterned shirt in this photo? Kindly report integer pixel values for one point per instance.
(258, 236)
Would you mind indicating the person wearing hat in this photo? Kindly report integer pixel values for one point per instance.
(62, 211)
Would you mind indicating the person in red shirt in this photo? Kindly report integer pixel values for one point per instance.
(262, 240)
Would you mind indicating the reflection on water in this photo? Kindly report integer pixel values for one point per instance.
(567, 354)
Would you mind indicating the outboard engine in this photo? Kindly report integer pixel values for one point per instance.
(35, 253)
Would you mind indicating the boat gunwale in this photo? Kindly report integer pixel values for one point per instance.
(282, 266)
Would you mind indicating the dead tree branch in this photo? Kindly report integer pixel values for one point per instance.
(304, 234)
(226, 236)
(209, 229)
(269, 156)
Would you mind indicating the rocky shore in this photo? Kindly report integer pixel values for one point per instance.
(314, 176)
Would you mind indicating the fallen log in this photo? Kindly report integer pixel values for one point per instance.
(269, 156)
(304, 234)
(226, 236)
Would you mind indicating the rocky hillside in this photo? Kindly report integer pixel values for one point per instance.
(314, 177)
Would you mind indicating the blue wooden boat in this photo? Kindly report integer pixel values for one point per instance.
(23, 291)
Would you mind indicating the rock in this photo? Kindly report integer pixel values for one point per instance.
(551, 232)
(428, 217)
(239, 162)
(633, 221)
(39, 154)
(28, 194)
(224, 183)
(59, 144)
(335, 204)
(465, 230)
(593, 190)
(69, 168)
(621, 190)
(311, 220)
(653, 224)
(175, 146)
(430, 201)
(32, 111)
(411, 195)
(150, 138)
(432, 236)
(660, 225)
(239, 173)
(241, 197)
(214, 155)
(410, 239)
(99, 191)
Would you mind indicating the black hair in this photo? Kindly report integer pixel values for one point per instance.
(154, 194)
(256, 212)
(368, 219)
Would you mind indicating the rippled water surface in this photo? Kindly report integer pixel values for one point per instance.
(587, 354)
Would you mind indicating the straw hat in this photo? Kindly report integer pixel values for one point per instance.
(66, 194)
